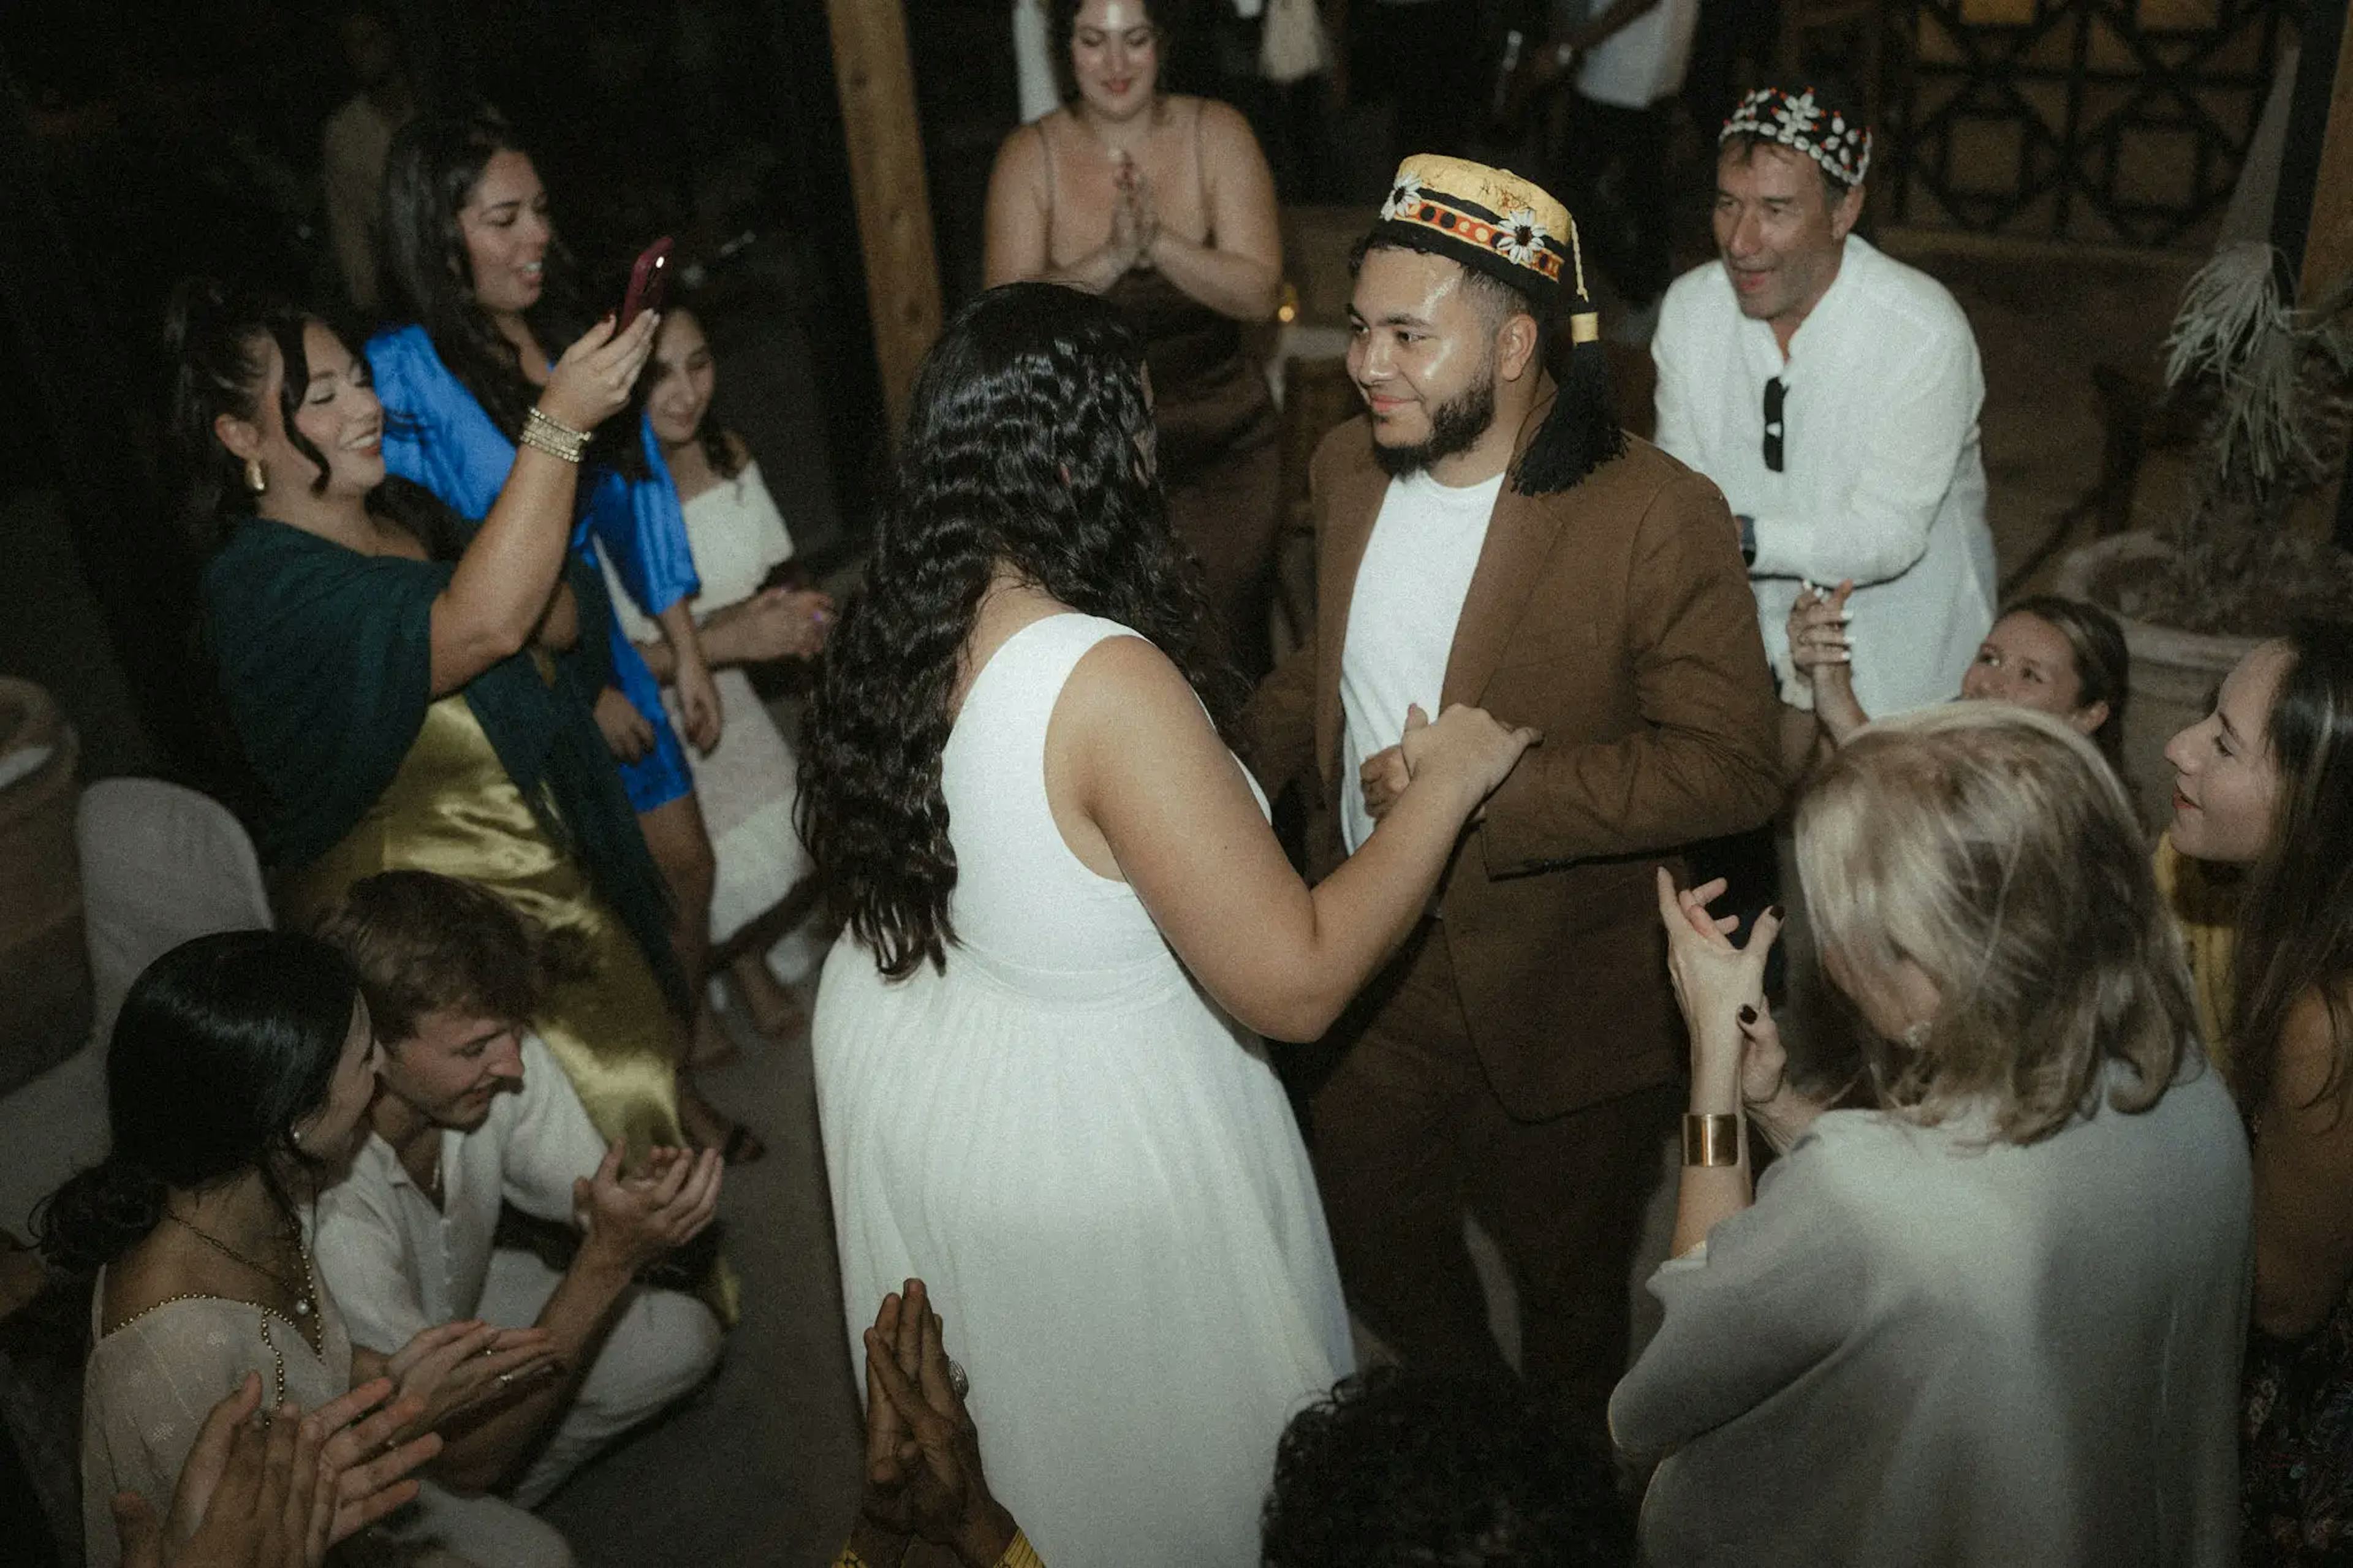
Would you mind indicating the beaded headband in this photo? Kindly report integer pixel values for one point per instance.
(1803, 122)
(1491, 220)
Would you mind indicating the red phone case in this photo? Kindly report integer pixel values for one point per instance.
(648, 282)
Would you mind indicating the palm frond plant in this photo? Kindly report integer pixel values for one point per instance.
(2243, 555)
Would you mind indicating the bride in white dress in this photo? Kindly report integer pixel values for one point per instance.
(1038, 1055)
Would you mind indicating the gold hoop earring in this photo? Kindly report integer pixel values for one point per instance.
(255, 479)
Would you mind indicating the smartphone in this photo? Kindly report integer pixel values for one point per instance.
(648, 282)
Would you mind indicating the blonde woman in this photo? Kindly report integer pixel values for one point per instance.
(1998, 1320)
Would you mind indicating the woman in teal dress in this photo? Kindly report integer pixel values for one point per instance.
(391, 669)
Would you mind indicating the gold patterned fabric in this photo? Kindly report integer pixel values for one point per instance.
(452, 808)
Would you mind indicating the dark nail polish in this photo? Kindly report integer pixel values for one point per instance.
(1776, 912)
(1747, 1014)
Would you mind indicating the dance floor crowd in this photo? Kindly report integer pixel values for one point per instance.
(1693, 790)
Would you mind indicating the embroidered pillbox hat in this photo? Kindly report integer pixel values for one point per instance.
(1512, 230)
(1811, 122)
(1494, 221)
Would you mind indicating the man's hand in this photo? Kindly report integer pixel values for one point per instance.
(629, 734)
(1384, 778)
(632, 1221)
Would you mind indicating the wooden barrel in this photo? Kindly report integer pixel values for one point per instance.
(45, 986)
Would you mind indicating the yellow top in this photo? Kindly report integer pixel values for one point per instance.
(2204, 903)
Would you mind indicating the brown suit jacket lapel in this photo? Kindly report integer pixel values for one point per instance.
(1349, 513)
(1519, 536)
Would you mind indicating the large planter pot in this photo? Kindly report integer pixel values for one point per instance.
(2174, 672)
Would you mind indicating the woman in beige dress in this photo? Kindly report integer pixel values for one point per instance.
(239, 1078)
(1164, 205)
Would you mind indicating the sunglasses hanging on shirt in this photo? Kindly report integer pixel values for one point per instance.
(1775, 394)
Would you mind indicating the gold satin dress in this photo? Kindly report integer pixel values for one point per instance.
(453, 809)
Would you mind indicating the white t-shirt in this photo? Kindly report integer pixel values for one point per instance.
(1417, 568)
(1881, 480)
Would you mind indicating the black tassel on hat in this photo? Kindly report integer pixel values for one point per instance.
(1581, 430)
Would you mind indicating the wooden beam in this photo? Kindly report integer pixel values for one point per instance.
(877, 82)
(2312, 217)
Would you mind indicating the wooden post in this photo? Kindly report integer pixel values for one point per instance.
(876, 83)
(2312, 219)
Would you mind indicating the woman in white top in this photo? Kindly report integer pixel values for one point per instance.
(239, 1078)
(1996, 1320)
(1038, 1055)
(745, 782)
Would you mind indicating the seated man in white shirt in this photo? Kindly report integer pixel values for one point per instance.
(472, 1111)
(1832, 393)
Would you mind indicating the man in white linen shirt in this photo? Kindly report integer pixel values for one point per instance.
(472, 1111)
(1832, 394)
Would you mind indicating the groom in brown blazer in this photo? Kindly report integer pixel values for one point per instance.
(1486, 536)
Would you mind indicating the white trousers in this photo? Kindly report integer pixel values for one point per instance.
(664, 1345)
(479, 1532)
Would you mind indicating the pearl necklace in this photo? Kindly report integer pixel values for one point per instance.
(305, 1303)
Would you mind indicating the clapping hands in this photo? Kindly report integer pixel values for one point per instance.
(277, 1497)
(631, 1221)
(1721, 988)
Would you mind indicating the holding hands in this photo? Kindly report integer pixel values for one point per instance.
(631, 1221)
(1822, 646)
(1467, 750)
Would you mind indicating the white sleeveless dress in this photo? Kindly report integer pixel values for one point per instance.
(1093, 1168)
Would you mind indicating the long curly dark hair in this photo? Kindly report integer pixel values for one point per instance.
(1029, 448)
(435, 163)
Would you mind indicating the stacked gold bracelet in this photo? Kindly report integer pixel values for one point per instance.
(553, 436)
(1712, 1140)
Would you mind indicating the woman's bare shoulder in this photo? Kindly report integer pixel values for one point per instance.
(1124, 681)
(2308, 1080)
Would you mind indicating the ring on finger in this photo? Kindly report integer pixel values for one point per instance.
(957, 1378)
